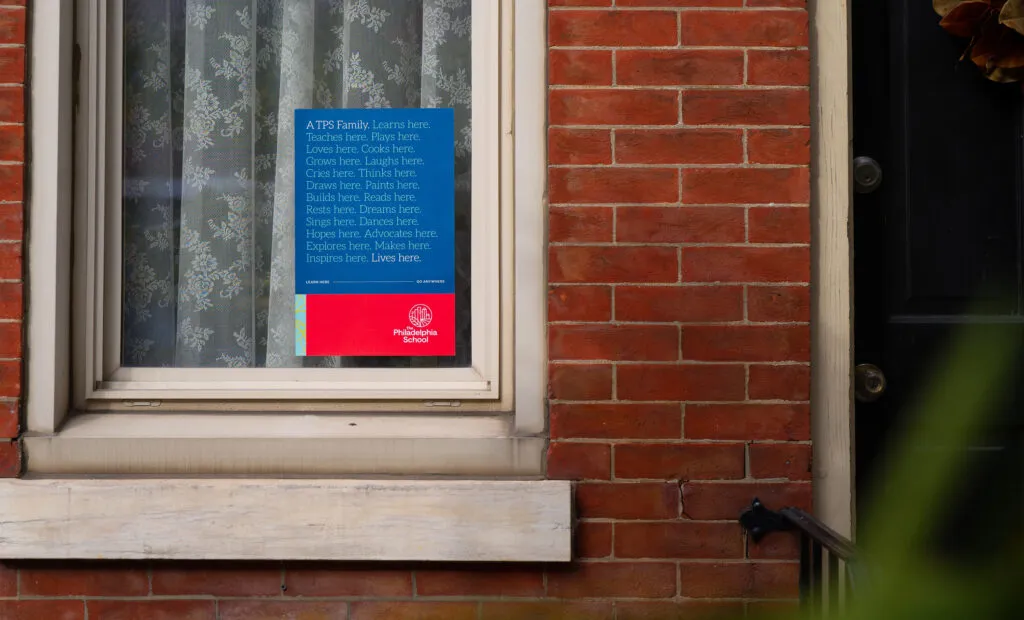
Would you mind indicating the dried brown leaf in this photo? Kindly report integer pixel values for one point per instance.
(1012, 15)
(943, 7)
(967, 18)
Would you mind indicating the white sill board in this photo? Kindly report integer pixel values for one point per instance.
(224, 519)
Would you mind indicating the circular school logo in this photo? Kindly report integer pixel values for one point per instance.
(420, 315)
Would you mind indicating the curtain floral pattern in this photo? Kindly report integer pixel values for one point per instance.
(209, 159)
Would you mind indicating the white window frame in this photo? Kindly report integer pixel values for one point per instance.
(99, 381)
(149, 503)
(509, 301)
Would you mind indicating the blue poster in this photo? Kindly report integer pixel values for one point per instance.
(375, 232)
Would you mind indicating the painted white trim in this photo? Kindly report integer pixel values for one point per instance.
(285, 445)
(478, 521)
(49, 242)
(531, 214)
(832, 233)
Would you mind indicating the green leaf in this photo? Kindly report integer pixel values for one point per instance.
(1012, 15)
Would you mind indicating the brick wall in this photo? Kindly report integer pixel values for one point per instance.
(12, 175)
(679, 340)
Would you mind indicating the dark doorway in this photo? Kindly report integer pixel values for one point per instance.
(938, 244)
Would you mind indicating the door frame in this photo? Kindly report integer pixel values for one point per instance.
(832, 404)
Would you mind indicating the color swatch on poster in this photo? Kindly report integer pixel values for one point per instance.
(375, 232)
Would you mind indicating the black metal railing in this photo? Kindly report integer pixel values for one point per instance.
(828, 561)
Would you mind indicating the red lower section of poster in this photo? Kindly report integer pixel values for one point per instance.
(360, 325)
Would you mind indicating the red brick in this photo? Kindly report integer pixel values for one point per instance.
(685, 304)
(747, 185)
(282, 610)
(12, 104)
(11, 217)
(10, 459)
(638, 500)
(739, 580)
(365, 610)
(793, 4)
(680, 224)
(679, 610)
(749, 264)
(332, 581)
(579, 146)
(678, 146)
(42, 610)
(680, 382)
(12, 182)
(739, 28)
(576, 461)
(616, 421)
(12, 25)
(589, 67)
(10, 261)
(547, 610)
(580, 382)
(151, 610)
(779, 67)
(200, 578)
(747, 343)
(9, 579)
(593, 539)
(621, 28)
(679, 461)
(681, 3)
(783, 382)
(9, 428)
(748, 422)
(10, 379)
(779, 303)
(786, 547)
(780, 460)
(580, 224)
(780, 225)
(614, 342)
(480, 581)
(614, 185)
(580, 303)
(12, 143)
(612, 264)
(779, 146)
(87, 580)
(613, 579)
(10, 341)
(679, 67)
(678, 540)
(12, 65)
(10, 300)
(610, 107)
(746, 107)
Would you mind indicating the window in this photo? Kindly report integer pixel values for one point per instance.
(167, 310)
(159, 221)
(188, 249)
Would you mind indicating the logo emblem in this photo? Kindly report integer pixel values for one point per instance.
(420, 315)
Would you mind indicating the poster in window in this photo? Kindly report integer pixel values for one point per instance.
(375, 232)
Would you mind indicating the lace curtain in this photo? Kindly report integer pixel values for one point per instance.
(208, 218)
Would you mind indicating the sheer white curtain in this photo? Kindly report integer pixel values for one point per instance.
(210, 90)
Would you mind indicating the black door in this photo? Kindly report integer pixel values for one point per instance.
(937, 245)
